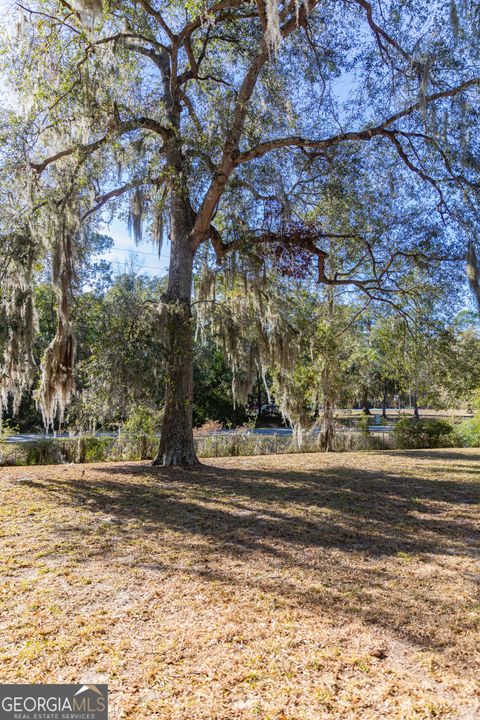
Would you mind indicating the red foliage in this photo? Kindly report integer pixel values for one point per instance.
(292, 250)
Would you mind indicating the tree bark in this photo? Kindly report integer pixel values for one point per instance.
(365, 408)
(416, 413)
(384, 400)
(176, 439)
(327, 433)
(259, 396)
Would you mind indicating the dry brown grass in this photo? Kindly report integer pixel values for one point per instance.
(276, 588)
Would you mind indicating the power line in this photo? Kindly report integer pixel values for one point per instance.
(139, 252)
(146, 267)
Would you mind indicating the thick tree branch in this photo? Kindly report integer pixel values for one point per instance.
(81, 149)
(101, 200)
(116, 127)
(368, 134)
(231, 146)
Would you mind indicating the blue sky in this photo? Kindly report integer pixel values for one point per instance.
(124, 248)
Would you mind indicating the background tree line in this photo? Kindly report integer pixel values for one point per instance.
(348, 352)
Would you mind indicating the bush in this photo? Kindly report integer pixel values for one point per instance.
(209, 426)
(364, 425)
(7, 429)
(139, 435)
(45, 452)
(138, 441)
(89, 448)
(413, 433)
(54, 451)
(244, 443)
(356, 441)
(469, 432)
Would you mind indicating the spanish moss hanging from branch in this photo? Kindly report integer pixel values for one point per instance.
(249, 323)
(18, 319)
(57, 385)
(136, 214)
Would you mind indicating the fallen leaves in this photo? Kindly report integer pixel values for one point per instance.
(302, 587)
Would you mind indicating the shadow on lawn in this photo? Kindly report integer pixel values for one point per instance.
(437, 455)
(332, 540)
(271, 511)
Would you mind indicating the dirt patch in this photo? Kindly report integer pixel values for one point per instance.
(287, 587)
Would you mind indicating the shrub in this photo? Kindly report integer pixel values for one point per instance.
(10, 454)
(44, 452)
(7, 429)
(241, 443)
(469, 431)
(413, 433)
(54, 451)
(209, 426)
(138, 436)
(356, 441)
(89, 448)
(364, 425)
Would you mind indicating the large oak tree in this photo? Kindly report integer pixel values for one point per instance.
(214, 122)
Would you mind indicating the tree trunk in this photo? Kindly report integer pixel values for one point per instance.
(327, 434)
(259, 396)
(365, 408)
(384, 400)
(416, 413)
(176, 440)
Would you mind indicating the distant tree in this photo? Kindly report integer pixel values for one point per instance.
(123, 356)
(387, 358)
(212, 384)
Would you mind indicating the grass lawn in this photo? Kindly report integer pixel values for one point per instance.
(275, 588)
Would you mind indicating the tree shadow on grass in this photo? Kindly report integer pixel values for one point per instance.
(336, 507)
(332, 540)
(437, 455)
